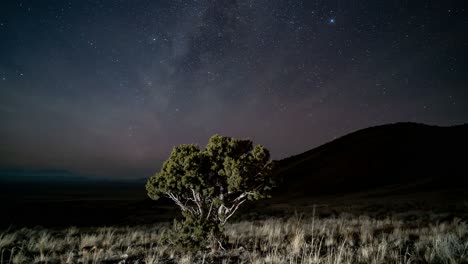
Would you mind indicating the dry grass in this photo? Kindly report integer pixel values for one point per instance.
(295, 240)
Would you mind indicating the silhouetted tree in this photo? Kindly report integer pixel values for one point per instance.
(209, 185)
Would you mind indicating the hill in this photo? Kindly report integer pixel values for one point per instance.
(413, 154)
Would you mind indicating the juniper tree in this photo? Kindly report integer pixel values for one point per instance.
(209, 185)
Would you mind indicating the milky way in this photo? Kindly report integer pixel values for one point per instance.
(106, 88)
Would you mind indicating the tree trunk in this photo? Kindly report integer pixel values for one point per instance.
(217, 241)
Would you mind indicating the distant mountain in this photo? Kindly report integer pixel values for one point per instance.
(39, 176)
(418, 156)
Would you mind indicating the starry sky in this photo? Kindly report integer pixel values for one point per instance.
(107, 88)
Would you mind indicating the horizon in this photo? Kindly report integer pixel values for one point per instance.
(107, 89)
(51, 175)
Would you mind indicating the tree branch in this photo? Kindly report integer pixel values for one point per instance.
(182, 206)
(209, 212)
(233, 211)
(196, 199)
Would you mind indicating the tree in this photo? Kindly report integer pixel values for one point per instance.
(209, 185)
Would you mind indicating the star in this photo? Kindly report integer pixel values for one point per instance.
(194, 65)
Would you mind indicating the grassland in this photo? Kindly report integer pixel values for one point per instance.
(343, 239)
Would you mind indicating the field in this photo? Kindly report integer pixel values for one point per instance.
(118, 224)
(343, 239)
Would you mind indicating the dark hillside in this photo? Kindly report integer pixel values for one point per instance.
(396, 154)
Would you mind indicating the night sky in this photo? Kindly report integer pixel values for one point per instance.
(107, 88)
